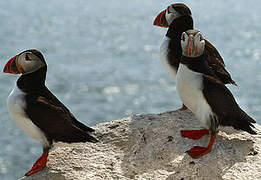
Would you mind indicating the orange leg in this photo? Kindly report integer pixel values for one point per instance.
(183, 107)
(194, 134)
(198, 151)
(39, 164)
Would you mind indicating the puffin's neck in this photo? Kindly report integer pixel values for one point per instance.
(32, 81)
(197, 64)
(178, 26)
(193, 61)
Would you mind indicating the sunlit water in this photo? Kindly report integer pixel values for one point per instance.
(103, 59)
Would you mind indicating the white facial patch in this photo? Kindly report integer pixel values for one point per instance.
(171, 14)
(184, 43)
(199, 42)
(29, 62)
(193, 45)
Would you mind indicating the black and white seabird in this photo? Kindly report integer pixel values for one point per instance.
(205, 95)
(37, 111)
(178, 19)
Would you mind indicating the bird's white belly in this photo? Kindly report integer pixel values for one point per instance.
(16, 104)
(164, 58)
(189, 86)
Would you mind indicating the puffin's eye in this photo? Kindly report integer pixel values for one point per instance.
(27, 58)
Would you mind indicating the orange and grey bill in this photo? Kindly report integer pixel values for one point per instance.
(11, 67)
(161, 20)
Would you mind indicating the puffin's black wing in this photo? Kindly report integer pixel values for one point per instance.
(224, 105)
(55, 120)
(217, 64)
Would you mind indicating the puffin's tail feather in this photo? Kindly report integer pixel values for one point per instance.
(77, 133)
(82, 126)
(92, 139)
(245, 123)
(84, 132)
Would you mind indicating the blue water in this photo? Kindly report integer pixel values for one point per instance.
(103, 59)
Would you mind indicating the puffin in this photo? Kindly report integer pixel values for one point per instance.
(37, 111)
(205, 94)
(178, 19)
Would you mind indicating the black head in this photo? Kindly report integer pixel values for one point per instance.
(26, 62)
(173, 11)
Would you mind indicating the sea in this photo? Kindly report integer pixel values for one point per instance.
(103, 60)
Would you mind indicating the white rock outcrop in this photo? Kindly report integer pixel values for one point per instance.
(150, 147)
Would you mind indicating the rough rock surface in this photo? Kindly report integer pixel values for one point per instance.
(150, 147)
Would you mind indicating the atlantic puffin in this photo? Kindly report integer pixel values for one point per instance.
(37, 111)
(206, 95)
(178, 19)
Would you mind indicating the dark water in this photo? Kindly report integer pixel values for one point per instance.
(103, 59)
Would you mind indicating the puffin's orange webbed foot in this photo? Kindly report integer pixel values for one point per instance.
(194, 134)
(198, 151)
(39, 164)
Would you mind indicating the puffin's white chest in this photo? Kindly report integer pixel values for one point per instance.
(16, 105)
(189, 86)
(164, 58)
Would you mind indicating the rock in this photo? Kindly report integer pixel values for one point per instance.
(150, 147)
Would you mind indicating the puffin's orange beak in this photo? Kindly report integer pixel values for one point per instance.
(11, 66)
(161, 20)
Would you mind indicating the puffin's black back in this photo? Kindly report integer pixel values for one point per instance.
(48, 113)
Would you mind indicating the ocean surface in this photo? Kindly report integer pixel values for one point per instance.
(103, 60)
